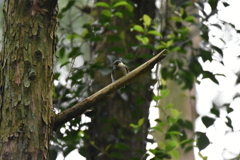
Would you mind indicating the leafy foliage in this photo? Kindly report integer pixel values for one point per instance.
(77, 38)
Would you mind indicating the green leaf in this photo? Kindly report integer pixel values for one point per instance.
(172, 120)
(218, 50)
(156, 98)
(129, 56)
(213, 4)
(175, 112)
(202, 140)
(117, 155)
(159, 154)
(113, 38)
(121, 146)
(124, 3)
(176, 49)
(139, 37)
(160, 47)
(207, 74)
(154, 32)
(158, 128)
(188, 124)
(102, 4)
(215, 110)
(171, 144)
(229, 110)
(229, 123)
(203, 157)
(144, 40)
(64, 64)
(175, 18)
(140, 122)
(146, 20)
(164, 93)
(108, 147)
(174, 133)
(134, 126)
(226, 4)
(74, 53)
(206, 55)
(118, 14)
(107, 13)
(62, 52)
(189, 19)
(207, 121)
(170, 105)
(72, 36)
(175, 154)
(138, 28)
(169, 43)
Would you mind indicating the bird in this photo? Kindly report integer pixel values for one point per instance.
(119, 70)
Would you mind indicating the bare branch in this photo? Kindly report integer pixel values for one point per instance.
(101, 95)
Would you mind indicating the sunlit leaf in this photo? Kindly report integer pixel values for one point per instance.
(138, 28)
(169, 43)
(102, 4)
(145, 40)
(156, 98)
(146, 20)
(141, 121)
(175, 112)
(154, 32)
(164, 93)
(171, 144)
(189, 19)
(175, 18)
(124, 3)
(118, 14)
(170, 105)
(106, 13)
(174, 133)
(175, 154)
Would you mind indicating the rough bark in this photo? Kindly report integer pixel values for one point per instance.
(26, 78)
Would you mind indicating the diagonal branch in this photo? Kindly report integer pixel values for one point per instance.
(101, 95)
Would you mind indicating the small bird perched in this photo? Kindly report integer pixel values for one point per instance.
(119, 70)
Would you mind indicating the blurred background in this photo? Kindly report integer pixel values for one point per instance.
(186, 108)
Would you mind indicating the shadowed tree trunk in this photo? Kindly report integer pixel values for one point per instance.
(26, 78)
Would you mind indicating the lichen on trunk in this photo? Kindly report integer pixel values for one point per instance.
(26, 79)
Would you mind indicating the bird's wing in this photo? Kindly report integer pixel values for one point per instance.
(127, 69)
(113, 79)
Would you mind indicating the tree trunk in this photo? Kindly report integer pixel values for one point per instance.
(110, 123)
(26, 79)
